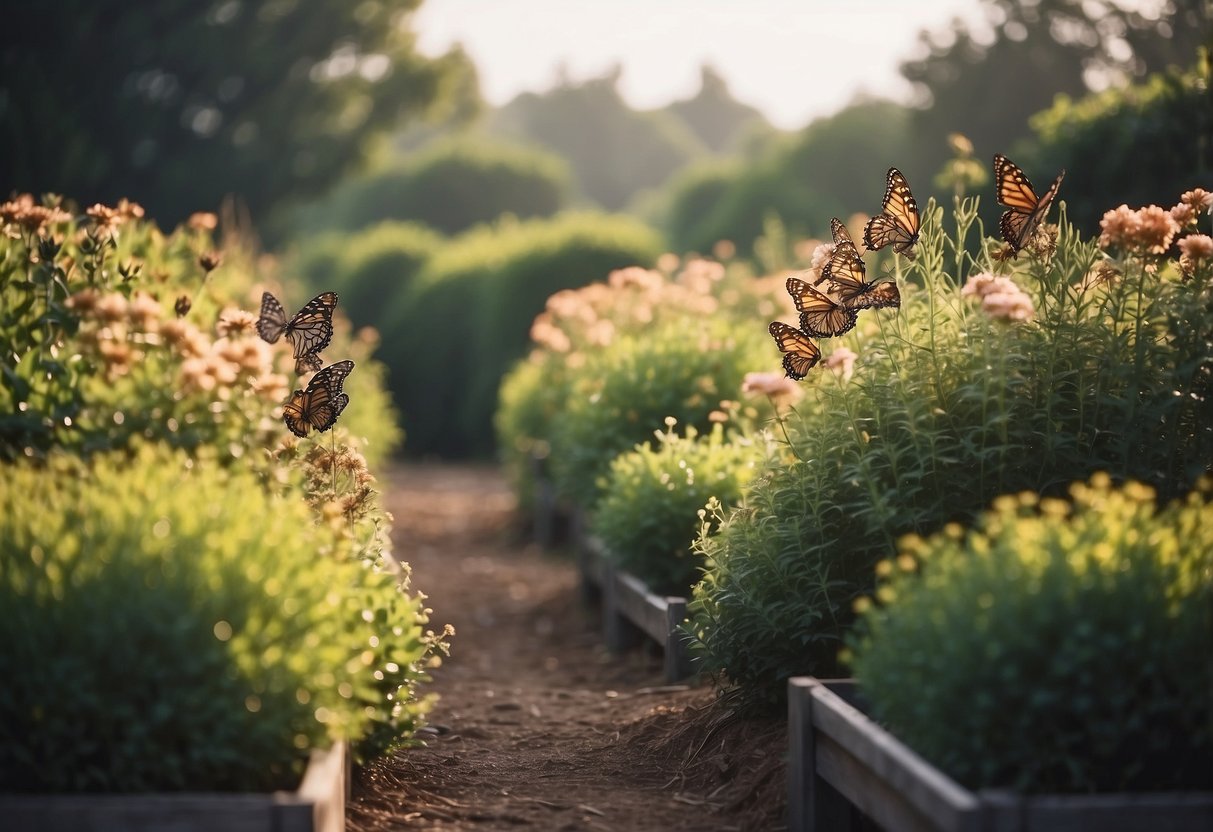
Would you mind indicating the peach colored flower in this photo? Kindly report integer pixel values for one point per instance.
(112, 307)
(1146, 230)
(668, 262)
(1009, 306)
(984, 283)
(273, 387)
(842, 362)
(84, 301)
(202, 221)
(1197, 246)
(144, 312)
(724, 250)
(774, 386)
(1199, 199)
(635, 276)
(1183, 214)
(235, 322)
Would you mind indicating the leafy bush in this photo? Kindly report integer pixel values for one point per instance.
(627, 389)
(577, 325)
(366, 268)
(1068, 648)
(1071, 366)
(155, 646)
(1099, 141)
(451, 337)
(646, 516)
(450, 187)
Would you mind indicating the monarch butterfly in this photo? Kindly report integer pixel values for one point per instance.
(820, 315)
(848, 277)
(1025, 211)
(308, 332)
(897, 223)
(800, 354)
(321, 403)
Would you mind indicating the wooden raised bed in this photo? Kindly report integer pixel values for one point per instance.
(840, 762)
(629, 610)
(318, 805)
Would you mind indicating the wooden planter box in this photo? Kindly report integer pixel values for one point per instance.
(318, 805)
(629, 611)
(840, 761)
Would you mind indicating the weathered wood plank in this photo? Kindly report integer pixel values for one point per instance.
(678, 662)
(644, 609)
(318, 806)
(887, 761)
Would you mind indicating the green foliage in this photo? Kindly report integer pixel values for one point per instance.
(154, 646)
(627, 389)
(646, 516)
(577, 326)
(950, 405)
(718, 119)
(366, 268)
(179, 105)
(449, 339)
(95, 355)
(1099, 141)
(1066, 648)
(796, 180)
(450, 186)
(614, 151)
(963, 73)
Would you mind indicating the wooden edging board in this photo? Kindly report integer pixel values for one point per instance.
(840, 761)
(318, 805)
(629, 610)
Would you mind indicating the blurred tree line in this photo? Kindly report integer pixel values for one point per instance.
(177, 104)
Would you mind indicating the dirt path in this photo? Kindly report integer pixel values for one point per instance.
(538, 726)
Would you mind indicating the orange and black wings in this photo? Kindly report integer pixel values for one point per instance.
(820, 315)
(309, 331)
(318, 407)
(897, 223)
(847, 278)
(1025, 211)
(799, 353)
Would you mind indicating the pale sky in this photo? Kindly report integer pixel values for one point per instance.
(792, 59)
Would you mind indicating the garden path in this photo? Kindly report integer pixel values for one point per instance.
(538, 726)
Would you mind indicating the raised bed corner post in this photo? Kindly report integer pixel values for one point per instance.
(813, 804)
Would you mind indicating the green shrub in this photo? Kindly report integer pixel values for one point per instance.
(451, 337)
(449, 187)
(367, 268)
(1099, 141)
(647, 515)
(950, 405)
(96, 356)
(577, 325)
(1054, 648)
(170, 625)
(627, 389)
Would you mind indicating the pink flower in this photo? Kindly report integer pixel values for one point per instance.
(1148, 230)
(774, 386)
(1197, 246)
(1008, 306)
(842, 362)
(980, 285)
(1198, 199)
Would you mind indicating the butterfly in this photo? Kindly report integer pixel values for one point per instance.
(308, 332)
(800, 354)
(847, 276)
(321, 403)
(1025, 211)
(820, 315)
(897, 223)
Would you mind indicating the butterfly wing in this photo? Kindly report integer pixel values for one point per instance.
(1025, 211)
(840, 234)
(800, 354)
(272, 322)
(897, 223)
(308, 409)
(846, 275)
(309, 363)
(311, 329)
(820, 315)
(882, 295)
(332, 377)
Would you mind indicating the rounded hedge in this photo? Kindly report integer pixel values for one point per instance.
(450, 338)
(1055, 647)
(170, 625)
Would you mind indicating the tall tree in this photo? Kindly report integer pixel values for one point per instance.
(179, 103)
(986, 80)
(715, 116)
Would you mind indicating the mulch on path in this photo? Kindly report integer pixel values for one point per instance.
(538, 726)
